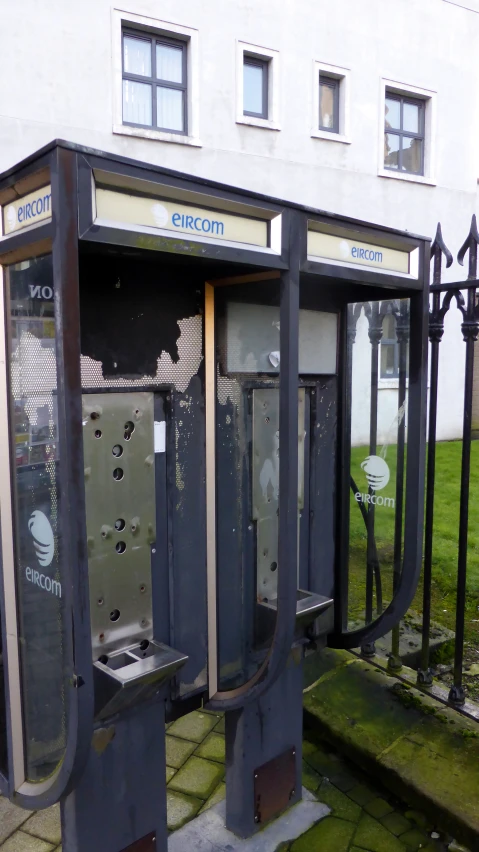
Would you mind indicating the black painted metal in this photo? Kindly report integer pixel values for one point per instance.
(65, 270)
(436, 330)
(288, 482)
(402, 334)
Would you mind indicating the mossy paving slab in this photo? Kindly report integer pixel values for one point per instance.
(329, 835)
(340, 804)
(178, 751)
(169, 773)
(21, 842)
(198, 777)
(194, 727)
(180, 809)
(414, 839)
(212, 748)
(396, 823)
(361, 794)
(311, 779)
(378, 808)
(218, 796)
(46, 825)
(373, 836)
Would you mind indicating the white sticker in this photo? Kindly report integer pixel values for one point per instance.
(160, 436)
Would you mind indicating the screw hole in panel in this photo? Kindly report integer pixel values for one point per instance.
(114, 615)
(97, 433)
(120, 547)
(129, 429)
(118, 474)
(119, 524)
(274, 566)
(117, 451)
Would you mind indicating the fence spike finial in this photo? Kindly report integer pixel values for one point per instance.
(439, 248)
(470, 245)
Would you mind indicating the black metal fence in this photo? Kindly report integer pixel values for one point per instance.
(463, 295)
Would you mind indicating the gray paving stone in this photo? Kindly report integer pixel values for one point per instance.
(11, 818)
(180, 809)
(46, 825)
(21, 842)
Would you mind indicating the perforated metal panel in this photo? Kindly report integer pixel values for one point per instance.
(118, 437)
(178, 374)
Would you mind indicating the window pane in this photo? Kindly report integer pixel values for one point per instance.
(169, 63)
(392, 113)
(253, 88)
(170, 109)
(410, 117)
(136, 103)
(391, 151)
(326, 106)
(412, 155)
(387, 360)
(137, 56)
(389, 327)
(40, 558)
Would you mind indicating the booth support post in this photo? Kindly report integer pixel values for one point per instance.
(119, 804)
(263, 738)
(264, 753)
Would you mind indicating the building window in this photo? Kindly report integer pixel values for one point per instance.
(255, 86)
(404, 132)
(154, 82)
(389, 349)
(328, 104)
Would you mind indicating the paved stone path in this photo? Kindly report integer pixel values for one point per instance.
(364, 817)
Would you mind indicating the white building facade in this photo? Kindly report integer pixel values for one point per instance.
(366, 109)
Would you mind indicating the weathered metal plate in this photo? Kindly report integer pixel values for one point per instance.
(274, 786)
(265, 484)
(146, 844)
(118, 442)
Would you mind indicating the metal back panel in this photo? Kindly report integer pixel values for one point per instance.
(118, 437)
(265, 484)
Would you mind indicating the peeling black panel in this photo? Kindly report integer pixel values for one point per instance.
(187, 492)
(130, 310)
(323, 486)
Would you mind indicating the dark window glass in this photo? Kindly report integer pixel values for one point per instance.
(154, 82)
(404, 134)
(328, 104)
(37, 499)
(255, 87)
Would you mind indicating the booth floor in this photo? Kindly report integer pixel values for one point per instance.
(362, 815)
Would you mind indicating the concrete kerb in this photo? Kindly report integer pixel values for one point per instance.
(425, 753)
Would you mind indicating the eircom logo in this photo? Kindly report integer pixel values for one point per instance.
(44, 545)
(377, 476)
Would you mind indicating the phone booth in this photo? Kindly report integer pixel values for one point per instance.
(182, 405)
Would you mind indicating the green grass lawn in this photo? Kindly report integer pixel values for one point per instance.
(445, 545)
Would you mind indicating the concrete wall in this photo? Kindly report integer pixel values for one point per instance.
(58, 78)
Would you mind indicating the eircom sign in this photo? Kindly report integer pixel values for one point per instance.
(29, 210)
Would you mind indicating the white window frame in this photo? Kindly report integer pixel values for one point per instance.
(122, 19)
(344, 77)
(272, 58)
(429, 97)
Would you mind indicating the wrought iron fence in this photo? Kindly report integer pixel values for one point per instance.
(443, 295)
